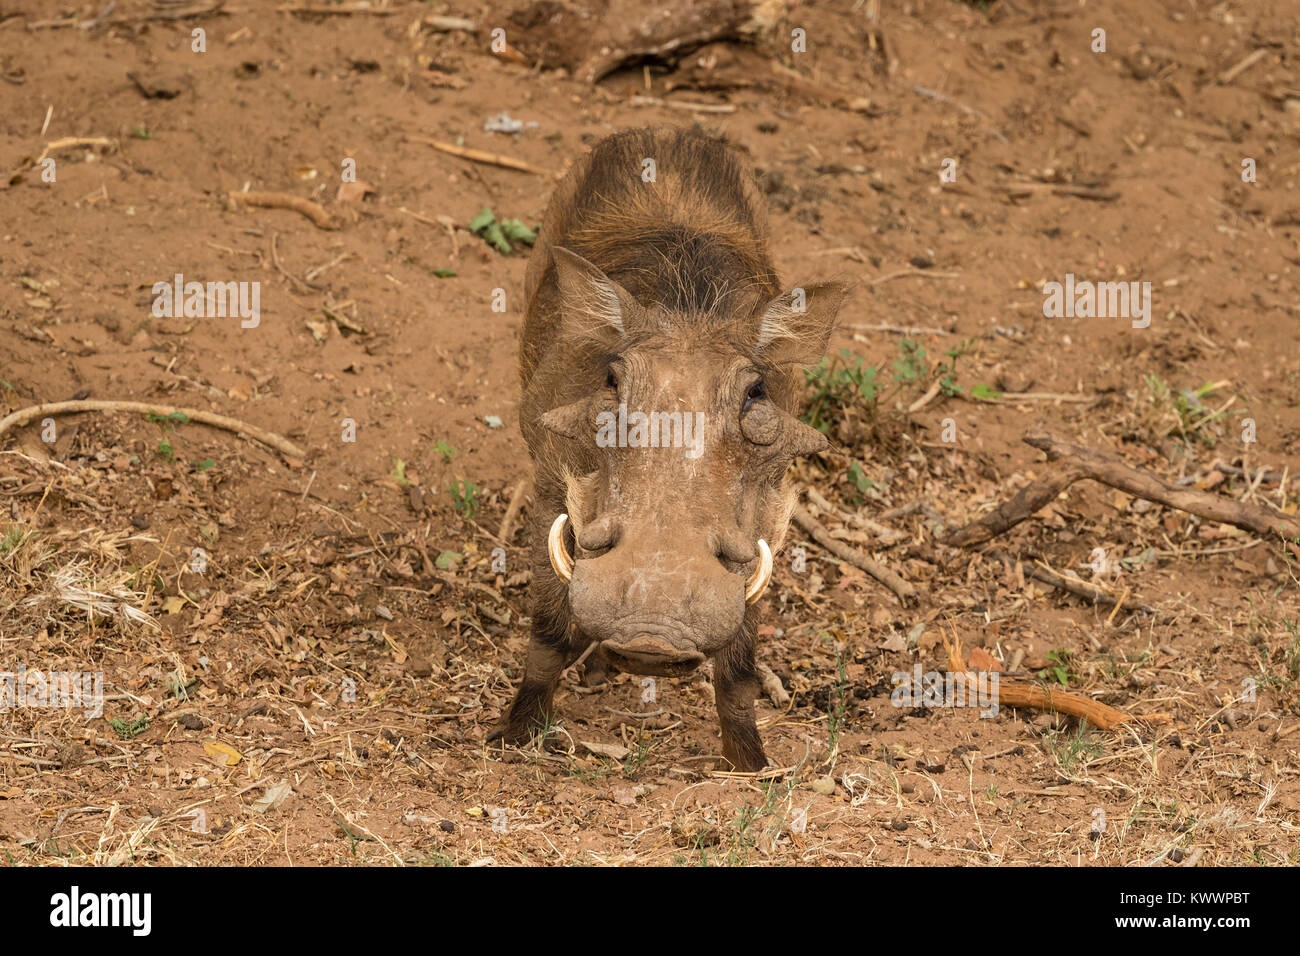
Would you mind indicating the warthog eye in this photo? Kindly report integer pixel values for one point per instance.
(757, 392)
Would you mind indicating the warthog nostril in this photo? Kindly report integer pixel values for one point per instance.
(732, 549)
(599, 535)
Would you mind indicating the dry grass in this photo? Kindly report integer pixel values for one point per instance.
(263, 656)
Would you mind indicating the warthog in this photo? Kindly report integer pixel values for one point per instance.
(662, 373)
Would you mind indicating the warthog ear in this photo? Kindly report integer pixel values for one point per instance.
(594, 305)
(796, 326)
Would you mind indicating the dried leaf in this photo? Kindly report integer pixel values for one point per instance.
(215, 748)
(612, 751)
(272, 798)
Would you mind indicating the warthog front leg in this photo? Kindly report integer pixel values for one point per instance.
(550, 651)
(736, 685)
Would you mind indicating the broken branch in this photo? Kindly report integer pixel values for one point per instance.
(905, 593)
(480, 156)
(308, 208)
(25, 415)
(1080, 462)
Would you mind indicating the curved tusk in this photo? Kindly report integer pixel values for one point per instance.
(560, 560)
(757, 584)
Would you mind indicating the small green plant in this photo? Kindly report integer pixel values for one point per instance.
(859, 480)
(165, 449)
(500, 234)
(1069, 749)
(1058, 668)
(448, 453)
(127, 731)
(635, 760)
(464, 497)
(838, 382)
(170, 420)
(1293, 652)
(1182, 412)
(911, 365)
(399, 472)
(12, 539)
(435, 857)
(179, 687)
(207, 464)
(947, 371)
(1288, 679)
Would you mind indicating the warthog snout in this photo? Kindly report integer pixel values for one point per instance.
(657, 607)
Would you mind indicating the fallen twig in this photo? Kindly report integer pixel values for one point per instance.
(1100, 715)
(512, 510)
(918, 273)
(682, 105)
(1011, 694)
(311, 210)
(275, 258)
(341, 9)
(450, 24)
(1230, 74)
(1004, 398)
(25, 415)
(1270, 477)
(1080, 462)
(905, 593)
(1110, 471)
(70, 141)
(1010, 513)
(1079, 588)
(184, 13)
(313, 273)
(481, 156)
(901, 329)
(941, 97)
(1022, 190)
(887, 535)
(928, 397)
(446, 222)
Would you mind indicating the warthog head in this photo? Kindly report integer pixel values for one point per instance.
(676, 490)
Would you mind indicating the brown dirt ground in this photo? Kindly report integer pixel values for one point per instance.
(323, 570)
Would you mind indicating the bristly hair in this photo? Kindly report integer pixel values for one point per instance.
(690, 242)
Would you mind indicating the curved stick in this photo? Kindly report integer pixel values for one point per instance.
(25, 415)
